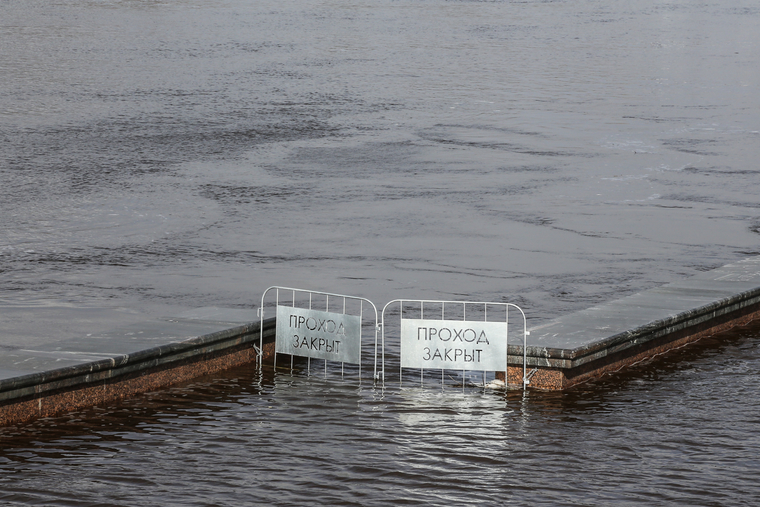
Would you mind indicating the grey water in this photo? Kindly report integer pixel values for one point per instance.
(157, 156)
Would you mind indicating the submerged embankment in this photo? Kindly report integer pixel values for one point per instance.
(157, 157)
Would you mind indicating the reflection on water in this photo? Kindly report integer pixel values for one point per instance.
(159, 156)
(680, 430)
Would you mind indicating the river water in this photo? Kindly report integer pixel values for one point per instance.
(158, 156)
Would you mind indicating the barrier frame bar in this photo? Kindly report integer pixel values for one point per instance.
(443, 303)
(344, 297)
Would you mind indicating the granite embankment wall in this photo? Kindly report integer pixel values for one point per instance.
(53, 392)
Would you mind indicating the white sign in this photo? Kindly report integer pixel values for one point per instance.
(321, 335)
(454, 344)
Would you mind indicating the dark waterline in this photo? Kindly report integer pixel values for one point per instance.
(159, 156)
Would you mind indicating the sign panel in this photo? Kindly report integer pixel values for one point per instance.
(321, 335)
(454, 344)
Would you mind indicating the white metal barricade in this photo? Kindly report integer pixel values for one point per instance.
(320, 325)
(455, 335)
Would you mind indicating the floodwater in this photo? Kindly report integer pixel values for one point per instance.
(680, 430)
(159, 156)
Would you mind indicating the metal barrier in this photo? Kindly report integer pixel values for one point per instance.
(453, 339)
(330, 334)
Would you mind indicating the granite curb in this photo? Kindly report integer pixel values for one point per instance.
(162, 356)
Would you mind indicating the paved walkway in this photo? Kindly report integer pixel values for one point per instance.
(607, 336)
(41, 337)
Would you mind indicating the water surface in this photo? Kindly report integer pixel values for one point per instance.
(679, 430)
(158, 156)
